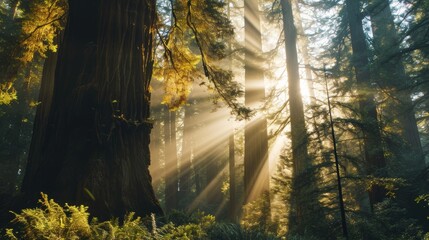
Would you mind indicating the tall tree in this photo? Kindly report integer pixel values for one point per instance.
(374, 155)
(171, 166)
(392, 77)
(96, 145)
(256, 172)
(300, 158)
(232, 181)
(186, 162)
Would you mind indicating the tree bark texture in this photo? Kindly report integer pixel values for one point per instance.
(95, 149)
(374, 155)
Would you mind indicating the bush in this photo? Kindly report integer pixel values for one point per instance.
(52, 221)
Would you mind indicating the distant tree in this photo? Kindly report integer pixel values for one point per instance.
(391, 75)
(299, 138)
(28, 32)
(373, 146)
(256, 175)
(171, 162)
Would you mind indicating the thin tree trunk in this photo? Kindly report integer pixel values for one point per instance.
(299, 139)
(95, 148)
(215, 164)
(171, 171)
(232, 183)
(186, 161)
(374, 155)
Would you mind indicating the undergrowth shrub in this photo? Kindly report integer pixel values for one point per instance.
(53, 221)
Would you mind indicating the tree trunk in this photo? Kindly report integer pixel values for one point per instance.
(256, 172)
(232, 183)
(95, 149)
(374, 155)
(303, 46)
(301, 161)
(186, 161)
(170, 171)
(392, 76)
(215, 161)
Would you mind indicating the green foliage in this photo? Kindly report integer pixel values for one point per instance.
(391, 185)
(187, 38)
(389, 221)
(40, 26)
(7, 94)
(52, 221)
(256, 215)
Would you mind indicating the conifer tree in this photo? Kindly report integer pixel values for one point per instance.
(373, 147)
(300, 158)
(391, 76)
(256, 175)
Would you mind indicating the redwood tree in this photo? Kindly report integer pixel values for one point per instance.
(374, 155)
(391, 75)
(301, 204)
(256, 171)
(95, 144)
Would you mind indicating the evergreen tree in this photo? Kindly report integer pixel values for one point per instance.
(256, 172)
(373, 147)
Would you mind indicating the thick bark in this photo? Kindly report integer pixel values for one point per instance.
(256, 172)
(95, 149)
(374, 155)
(171, 170)
(392, 76)
(299, 138)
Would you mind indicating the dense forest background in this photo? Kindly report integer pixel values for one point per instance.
(301, 119)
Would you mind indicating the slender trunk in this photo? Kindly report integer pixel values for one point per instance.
(301, 161)
(303, 45)
(171, 173)
(256, 172)
(95, 147)
(186, 161)
(374, 155)
(392, 76)
(232, 184)
(215, 163)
